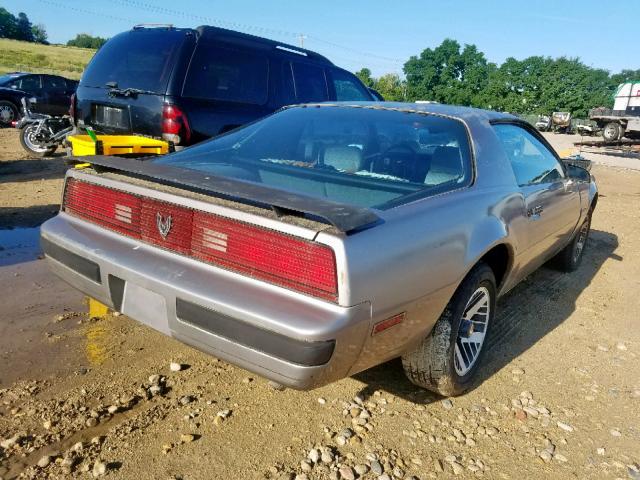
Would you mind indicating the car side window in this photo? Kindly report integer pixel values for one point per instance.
(30, 83)
(310, 83)
(218, 73)
(54, 84)
(532, 162)
(347, 87)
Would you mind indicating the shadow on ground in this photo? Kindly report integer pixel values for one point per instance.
(530, 311)
(29, 168)
(26, 217)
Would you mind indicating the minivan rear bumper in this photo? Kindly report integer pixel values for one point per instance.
(288, 337)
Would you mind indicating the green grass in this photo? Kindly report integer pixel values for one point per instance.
(32, 57)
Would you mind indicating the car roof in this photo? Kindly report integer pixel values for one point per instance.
(16, 74)
(456, 111)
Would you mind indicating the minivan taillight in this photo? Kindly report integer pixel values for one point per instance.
(175, 126)
(291, 262)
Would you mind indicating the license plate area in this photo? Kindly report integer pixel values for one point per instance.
(145, 306)
(109, 116)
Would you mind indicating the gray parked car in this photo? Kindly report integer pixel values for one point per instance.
(325, 239)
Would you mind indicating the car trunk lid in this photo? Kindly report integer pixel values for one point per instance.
(229, 234)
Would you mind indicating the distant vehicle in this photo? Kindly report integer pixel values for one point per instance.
(561, 122)
(10, 102)
(328, 238)
(543, 123)
(624, 119)
(48, 94)
(186, 85)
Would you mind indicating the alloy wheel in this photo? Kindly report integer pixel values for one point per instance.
(7, 115)
(472, 331)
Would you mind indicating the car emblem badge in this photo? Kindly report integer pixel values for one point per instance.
(164, 224)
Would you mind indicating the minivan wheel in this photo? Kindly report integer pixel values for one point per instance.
(448, 358)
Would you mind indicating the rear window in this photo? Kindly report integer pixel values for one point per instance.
(228, 75)
(142, 59)
(359, 156)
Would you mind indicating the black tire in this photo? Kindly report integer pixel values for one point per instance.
(8, 113)
(612, 131)
(570, 257)
(432, 363)
(30, 145)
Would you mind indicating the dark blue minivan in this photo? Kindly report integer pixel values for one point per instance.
(187, 85)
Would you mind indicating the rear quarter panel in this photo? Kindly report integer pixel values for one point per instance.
(415, 260)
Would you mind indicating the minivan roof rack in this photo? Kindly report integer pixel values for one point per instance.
(223, 34)
(291, 50)
(152, 25)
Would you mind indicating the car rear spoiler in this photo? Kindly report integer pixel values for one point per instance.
(346, 218)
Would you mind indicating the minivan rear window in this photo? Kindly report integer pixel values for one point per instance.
(360, 156)
(141, 59)
(229, 75)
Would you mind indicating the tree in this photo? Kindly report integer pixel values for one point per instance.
(365, 77)
(84, 40)
(39, 34)
(448, 74)
(625, 76)
(23, 28)
(8, 24)
(391, 87)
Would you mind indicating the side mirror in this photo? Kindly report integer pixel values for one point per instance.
(577, 173)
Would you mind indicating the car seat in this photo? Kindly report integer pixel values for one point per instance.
(446, 165)
(344, 159)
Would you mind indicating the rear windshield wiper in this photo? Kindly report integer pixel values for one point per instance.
(114, 91)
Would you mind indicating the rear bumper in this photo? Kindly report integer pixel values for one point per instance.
(288, 337)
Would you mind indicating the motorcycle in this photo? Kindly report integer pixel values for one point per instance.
(42, 134)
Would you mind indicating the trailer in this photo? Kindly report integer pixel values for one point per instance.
(623, 120)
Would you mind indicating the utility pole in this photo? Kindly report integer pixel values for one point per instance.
(301, 37)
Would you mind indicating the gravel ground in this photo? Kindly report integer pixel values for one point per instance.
(559, 395)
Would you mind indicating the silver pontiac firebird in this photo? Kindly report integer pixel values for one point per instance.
(325, 239)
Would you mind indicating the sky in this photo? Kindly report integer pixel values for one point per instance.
(379, 35)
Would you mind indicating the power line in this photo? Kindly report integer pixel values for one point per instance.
(379, 60)
(203, 18)
(248, 27)
(88, 12)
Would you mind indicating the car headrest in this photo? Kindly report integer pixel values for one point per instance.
(346, 159)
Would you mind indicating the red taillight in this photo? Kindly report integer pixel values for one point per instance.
(72, 108)
(288, 261)
(175, 126)
(274, 257)
(110, 208)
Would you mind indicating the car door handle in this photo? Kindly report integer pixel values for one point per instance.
(535, 211)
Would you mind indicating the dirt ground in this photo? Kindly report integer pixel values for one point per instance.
(559, 395)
